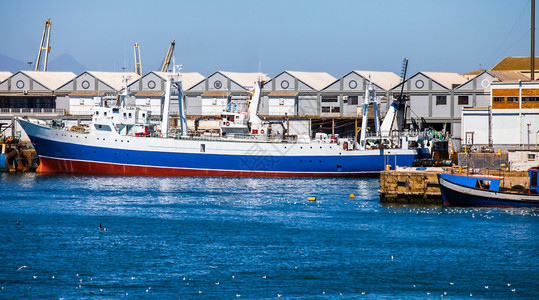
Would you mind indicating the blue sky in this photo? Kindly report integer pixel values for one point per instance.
(244, 36)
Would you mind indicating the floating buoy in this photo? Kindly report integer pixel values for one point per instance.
(352, 196)
(311, 199)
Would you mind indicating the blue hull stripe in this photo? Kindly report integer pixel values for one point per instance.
(345, 164)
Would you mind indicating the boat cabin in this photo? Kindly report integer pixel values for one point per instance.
(125, 121)
(233, 123)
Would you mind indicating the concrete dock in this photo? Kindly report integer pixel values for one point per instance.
(420, 185)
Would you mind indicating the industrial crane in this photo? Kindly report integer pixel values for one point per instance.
(168, 56)
(138, 60)
(402, 106)
(395, 118)
(45, 39)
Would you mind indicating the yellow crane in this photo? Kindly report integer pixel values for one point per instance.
(138, 60)
(166, 62)
(45, 40)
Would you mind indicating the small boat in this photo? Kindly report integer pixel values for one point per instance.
(484, 190)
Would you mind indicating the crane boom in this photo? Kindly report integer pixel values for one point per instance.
(168, 56)
(138, 59)
(45, 40)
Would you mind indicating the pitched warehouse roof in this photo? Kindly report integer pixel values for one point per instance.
(512, 63)
(4, 75)
(189, 79)
(316, 80)
(385, 80)
(447, 79)
(246, 80)
(115, 79)
(50, 79)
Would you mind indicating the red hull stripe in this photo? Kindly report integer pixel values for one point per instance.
(49, 165)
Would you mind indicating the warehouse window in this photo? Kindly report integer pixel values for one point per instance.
(353, 100)
(498, 99)
(441, 100)
(335, 109)
(512, 99)
(330, 98)
(463, 100)
(326, 109)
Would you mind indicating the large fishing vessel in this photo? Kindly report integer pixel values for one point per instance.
(124, 141)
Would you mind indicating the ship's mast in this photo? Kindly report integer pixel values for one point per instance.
(254, 119)
(181, 103)
(370, 97)
(166, 109)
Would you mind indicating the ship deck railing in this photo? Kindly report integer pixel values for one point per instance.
(237, 138)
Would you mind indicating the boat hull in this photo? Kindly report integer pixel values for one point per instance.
(458, 195)
(63, 152)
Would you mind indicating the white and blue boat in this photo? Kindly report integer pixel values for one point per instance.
(477, 190)
(122, 141)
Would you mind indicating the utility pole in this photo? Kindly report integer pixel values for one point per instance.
(532, 56)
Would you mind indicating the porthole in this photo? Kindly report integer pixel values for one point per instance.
(85, 84)
(151, 84)
(285, 84)
(419, 84)
(217, 84)
(20, 84)
(352, 84)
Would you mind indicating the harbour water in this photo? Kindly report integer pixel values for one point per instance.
(185, 238)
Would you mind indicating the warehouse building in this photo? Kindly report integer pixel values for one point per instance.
(294, 93)
(30, 93)
(432, 98)
(92, 88)
(221, 91)
(348, 92)
(511, 119)
(148, 91)
(32, 89)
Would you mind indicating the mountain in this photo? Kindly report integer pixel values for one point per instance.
(12, 65)
(66, 62)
